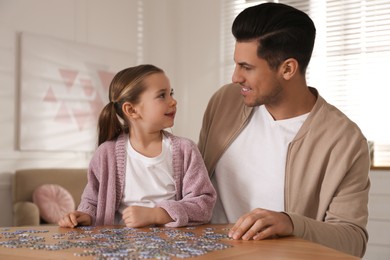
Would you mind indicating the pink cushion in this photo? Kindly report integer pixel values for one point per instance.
(53, 202)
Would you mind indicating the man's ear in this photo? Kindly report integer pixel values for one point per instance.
(289, 68)
(129, 110)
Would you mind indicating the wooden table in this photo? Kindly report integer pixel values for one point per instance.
(281, 248)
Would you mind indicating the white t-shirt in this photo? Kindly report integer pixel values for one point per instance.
(148, 180)
(250, 173)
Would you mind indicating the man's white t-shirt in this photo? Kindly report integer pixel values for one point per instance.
(250, 174)
(148, 180)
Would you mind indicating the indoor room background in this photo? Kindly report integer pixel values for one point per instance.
(57, 57)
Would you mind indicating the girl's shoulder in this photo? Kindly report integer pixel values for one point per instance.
(176, 138)
(107, 145)
(112, 146)
(181, 142)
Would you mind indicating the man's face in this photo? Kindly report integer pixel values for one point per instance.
(259, 84)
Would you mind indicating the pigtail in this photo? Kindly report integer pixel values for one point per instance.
(109, 126)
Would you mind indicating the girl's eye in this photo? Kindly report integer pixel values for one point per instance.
(172, 92)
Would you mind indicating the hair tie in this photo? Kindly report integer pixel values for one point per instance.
(116, 105)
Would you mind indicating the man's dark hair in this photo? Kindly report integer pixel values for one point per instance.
(282, 32)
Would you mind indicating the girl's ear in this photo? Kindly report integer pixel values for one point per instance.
(129, 111)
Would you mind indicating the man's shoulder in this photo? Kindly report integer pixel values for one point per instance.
(227, 96)
(334, 119)
(228, 90)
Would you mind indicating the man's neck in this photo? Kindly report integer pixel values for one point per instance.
(293, 105)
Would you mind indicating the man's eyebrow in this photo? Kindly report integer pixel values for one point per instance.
(244, 64)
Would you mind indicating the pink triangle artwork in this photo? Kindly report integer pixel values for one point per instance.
(68, 77)
(64, 86)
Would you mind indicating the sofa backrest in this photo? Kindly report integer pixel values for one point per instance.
(26, 180)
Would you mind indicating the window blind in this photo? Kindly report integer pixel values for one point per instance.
(140, 31)
(349, 60)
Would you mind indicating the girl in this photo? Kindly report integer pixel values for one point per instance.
(140, 174)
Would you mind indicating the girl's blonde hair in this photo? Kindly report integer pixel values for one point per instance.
(126, 86)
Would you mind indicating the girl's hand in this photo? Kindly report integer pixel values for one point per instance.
(138, 216)
(75, 218)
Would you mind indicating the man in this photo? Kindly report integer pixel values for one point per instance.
(283, 160)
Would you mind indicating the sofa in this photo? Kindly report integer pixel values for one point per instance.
(27, 181)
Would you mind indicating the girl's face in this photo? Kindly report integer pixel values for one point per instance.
(157, 107)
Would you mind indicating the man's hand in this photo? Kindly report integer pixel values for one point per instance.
(74, 219)
(260, 224)
(138, 216)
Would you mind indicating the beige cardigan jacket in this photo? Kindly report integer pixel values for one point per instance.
(326, 179)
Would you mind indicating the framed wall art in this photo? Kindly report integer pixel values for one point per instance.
(63, 88)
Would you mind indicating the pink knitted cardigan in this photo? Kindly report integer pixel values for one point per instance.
(195, 195)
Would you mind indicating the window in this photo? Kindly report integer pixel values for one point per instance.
(140, 31)
(348, 66)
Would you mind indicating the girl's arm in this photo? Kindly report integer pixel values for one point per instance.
(198, 196)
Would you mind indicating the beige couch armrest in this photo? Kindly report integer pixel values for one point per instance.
(25, 214)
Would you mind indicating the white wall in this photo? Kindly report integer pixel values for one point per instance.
(189, 30)
(379, 217)
(182, 37)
